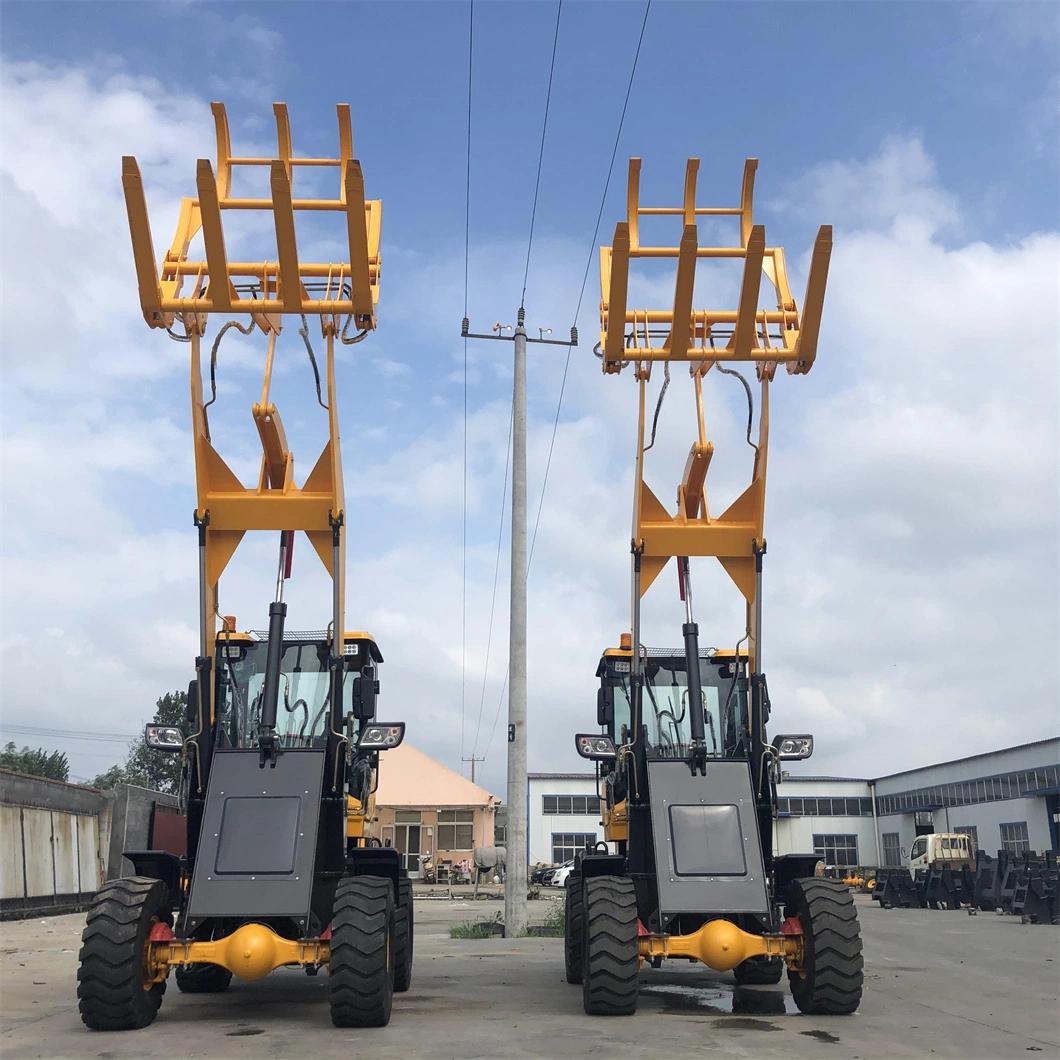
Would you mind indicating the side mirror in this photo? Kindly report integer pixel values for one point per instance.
(193, 705)
(381, 737)
(598, 748)
(605, 705)
(790, 748)
(365, 691)
(164, 737)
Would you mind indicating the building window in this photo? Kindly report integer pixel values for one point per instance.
(456, 830)
(566, 844)
(1014, 837)
(970, 830)
(848, 807)
(924, 818)
(892, 850)
(583, 805)
(836, 849)
(407, 816)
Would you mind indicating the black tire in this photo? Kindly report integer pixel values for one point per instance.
(360, 967)
(404, 925)
(203, 979)
(759, 971)
(111, 991)
(610, 961)
(831, 982)
(574, 930)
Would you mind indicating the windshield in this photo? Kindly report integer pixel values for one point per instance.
(302, 710)
(665, 710)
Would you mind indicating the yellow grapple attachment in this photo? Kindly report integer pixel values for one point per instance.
(703, 338)
(338, 293)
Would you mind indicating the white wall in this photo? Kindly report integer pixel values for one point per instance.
(540, 827)
(794, 835)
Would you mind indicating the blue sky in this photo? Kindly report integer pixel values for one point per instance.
(927, 133)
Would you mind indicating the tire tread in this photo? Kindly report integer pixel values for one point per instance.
(361, 967)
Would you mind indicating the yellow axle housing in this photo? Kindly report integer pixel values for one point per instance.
(250, 952)
(721, 945)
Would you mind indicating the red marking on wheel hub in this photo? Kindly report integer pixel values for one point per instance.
(161, 933)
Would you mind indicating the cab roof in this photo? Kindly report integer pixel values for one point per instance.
(312, 636)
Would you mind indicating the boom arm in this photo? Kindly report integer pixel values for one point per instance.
(187, 291)
(766, 337)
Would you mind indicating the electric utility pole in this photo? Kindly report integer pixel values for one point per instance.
(516, 855)
(472, 759)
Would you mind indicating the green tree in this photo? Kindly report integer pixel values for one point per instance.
(38, 763)
(144, 766)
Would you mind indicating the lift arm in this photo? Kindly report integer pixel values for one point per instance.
(183, 291)
(703, 338)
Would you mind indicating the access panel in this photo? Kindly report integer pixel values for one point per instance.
(707, 848)
(259, 836)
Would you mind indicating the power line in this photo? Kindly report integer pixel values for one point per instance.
(614, 155)
(467, 243)
(581, 295)
(585, 277)
(496, 574)
(540, 155)
(39, 732)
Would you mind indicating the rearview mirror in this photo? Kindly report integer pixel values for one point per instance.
(598, 748)
(381, 737)
(164, 737)
(605, 705)
(365, 690)
(790, 748)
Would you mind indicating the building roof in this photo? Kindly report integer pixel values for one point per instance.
(839, 780)
(561, 776)
(408, 777)
(971, 758)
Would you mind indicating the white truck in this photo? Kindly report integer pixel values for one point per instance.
(942, 850)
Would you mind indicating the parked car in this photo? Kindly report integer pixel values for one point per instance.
(549, 878)
(562, 874)
(538, 874)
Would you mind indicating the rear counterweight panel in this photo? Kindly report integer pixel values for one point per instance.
(707, 848)
(259, 837)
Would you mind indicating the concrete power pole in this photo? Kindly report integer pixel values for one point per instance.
(515, 915)
(515, 878)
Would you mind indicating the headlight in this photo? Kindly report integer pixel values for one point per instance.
(164, 737)
(380, 737)
(793, 747)
(595, 746)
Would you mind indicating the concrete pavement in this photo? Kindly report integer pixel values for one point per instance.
(938, 983)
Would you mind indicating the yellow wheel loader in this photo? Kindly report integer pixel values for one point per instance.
(281, 743)
(686, 768)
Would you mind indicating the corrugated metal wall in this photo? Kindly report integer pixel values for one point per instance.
(46, 853)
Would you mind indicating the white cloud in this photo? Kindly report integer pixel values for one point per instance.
(912, 522)
(896, 191)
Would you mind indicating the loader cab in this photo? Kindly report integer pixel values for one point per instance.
(666, 710)
(304, 716)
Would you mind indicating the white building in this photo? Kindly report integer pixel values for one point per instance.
(829, 816)
(1007, 800)
(564, 814)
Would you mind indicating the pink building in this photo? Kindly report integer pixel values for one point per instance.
(426, 810)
